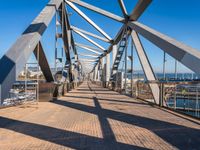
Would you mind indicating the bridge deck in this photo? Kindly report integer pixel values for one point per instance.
(92, 117)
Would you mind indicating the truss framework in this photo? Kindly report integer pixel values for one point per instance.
(16, 57)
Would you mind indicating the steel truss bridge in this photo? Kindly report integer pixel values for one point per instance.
(14, 60)
(91, 116)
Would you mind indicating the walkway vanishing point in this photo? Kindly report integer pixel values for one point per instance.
(92, 117)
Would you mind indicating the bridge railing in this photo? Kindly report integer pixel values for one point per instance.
(44, 92)
(181, 96)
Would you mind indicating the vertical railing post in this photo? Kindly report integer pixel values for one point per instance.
(114, 52)
(136, 90)
(125, 71)
(132, 68)
(107, 69)
(161, 94)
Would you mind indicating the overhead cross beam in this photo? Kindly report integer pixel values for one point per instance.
(90, 40)
(86, 60)
(88, 48)
(98, 10)
(88, 20)
(123, 8)
(139, 9)
(91, 58)
(115, 41)
(86, 55)
(90, 34)
(188, 56)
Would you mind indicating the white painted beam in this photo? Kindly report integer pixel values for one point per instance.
(146, 66)
(88, 55)
(98, 10)
(139, 9)
(107, 68)
(90, 40)
(93, 48)
(89, 20)
(123, 8)
(90, 34)
(187, 55)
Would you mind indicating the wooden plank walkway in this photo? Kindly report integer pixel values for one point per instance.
(92, 117)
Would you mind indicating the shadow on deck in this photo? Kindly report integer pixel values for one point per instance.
(179, 136)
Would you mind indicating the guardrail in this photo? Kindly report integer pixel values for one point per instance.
(45, 92)
(182, 96)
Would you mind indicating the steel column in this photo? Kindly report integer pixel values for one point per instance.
(17, 56)
(148, 71)
(107, 68)
(43, 63)
(114, 53)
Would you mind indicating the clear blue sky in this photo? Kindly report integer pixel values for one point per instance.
(176, 18)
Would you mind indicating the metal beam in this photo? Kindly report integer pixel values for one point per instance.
(88, 64)
(87, 60)
(44, 65)
(93, 55)
(115, 41)
(103, 69)
(88, 20)
(17, 56)
(90, 40)
(96, 72)
(90, 34)
(137, 12)
(188, 56)
(123, 8)
(71, 36)
(65, 34)
(114, 52)
(88, 55)
(107, 68)
(139, 9)
(88, 49)
(146, 66)
(73, 44)
(99, 10)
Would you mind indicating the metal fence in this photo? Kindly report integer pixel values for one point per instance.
(182, 96)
